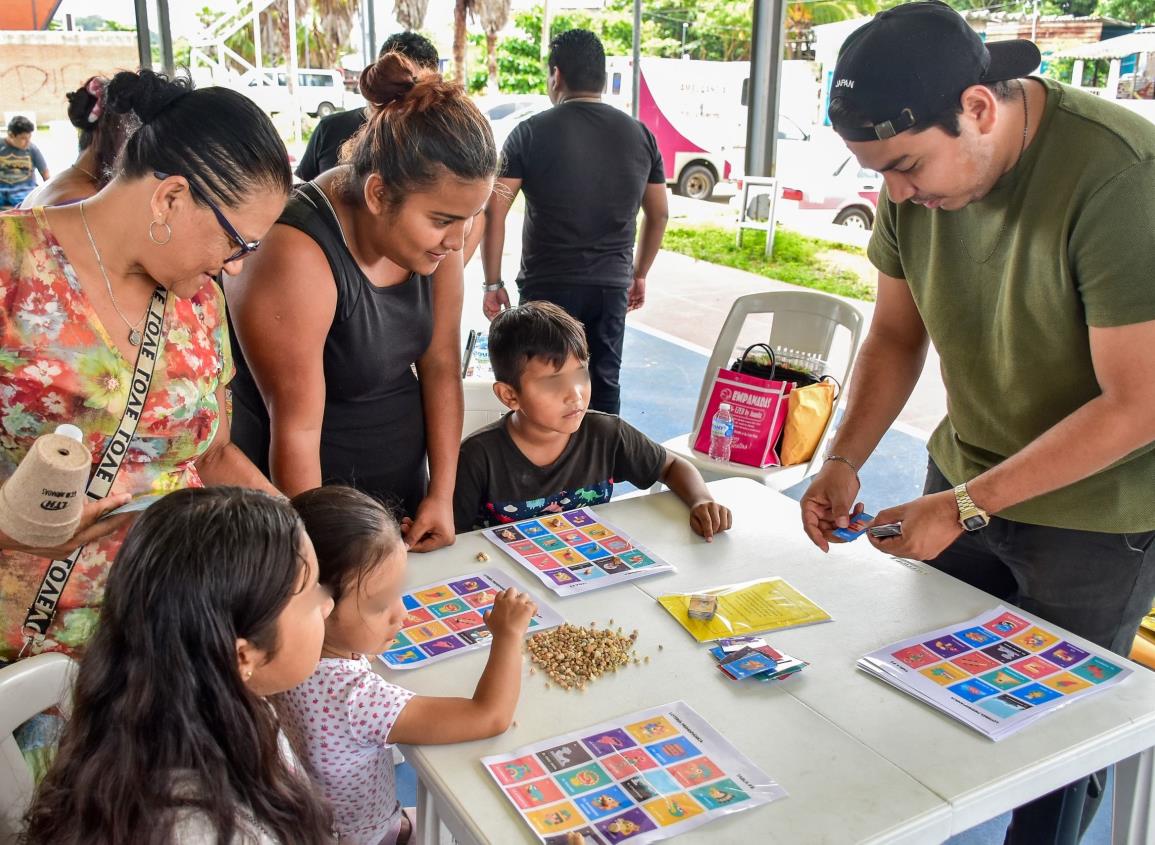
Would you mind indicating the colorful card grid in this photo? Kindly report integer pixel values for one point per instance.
(997, 672)
(575, 551)
(643, 777)
(448, 618)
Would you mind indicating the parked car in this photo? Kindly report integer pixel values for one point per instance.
(504, 126)
(846, 194)
(497, 107)
(319, 92)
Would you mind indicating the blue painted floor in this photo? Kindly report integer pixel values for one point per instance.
(660, 383)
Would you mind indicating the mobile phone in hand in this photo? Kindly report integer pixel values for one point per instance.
(891, 529)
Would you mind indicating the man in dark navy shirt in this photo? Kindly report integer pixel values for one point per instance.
(324, 147)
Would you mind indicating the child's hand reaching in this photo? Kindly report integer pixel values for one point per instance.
(709, 518)
(510, 614)
(427, 720)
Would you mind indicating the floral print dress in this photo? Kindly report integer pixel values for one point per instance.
(58, 365)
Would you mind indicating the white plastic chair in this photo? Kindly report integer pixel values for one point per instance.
(27, 687)
(804, 321)
(482, 406)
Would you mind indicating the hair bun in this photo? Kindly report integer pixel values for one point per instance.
(388, 80)
(145, 93)
(86, 103)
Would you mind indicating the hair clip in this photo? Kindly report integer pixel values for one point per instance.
(95, 87)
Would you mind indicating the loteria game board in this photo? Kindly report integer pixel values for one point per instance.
(997, 672)
(575, 551)
(642, 777)
(448, 618)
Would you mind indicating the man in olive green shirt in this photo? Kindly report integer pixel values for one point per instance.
(1015, 233)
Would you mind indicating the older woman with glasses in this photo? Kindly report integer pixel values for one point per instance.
(111, 320)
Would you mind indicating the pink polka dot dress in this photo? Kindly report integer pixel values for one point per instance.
(339, 722)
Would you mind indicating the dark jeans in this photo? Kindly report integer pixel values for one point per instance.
(602, 310)
(1094, 584)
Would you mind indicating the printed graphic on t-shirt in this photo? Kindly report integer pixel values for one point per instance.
(16, 166)
(582, 497)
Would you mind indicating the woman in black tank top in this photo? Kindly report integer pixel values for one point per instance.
(346, 326)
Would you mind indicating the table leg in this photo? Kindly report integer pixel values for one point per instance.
(428, 823)
(1133, 815)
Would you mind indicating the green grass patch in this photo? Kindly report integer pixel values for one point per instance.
(797, 258)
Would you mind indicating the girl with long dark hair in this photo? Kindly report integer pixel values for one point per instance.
(213, 604)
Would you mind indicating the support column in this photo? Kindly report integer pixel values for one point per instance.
(765, 78)
(1112, 92)
(143, 40)
(295, 120)
(162, 22)
(637, 62)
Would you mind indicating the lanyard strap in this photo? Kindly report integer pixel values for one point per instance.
(43, 609)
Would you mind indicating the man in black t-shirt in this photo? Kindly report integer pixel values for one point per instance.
(324, 147)
(586, 168)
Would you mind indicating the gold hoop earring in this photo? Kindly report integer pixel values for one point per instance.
(167, 231)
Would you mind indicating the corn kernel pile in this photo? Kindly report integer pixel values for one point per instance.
(573, 655)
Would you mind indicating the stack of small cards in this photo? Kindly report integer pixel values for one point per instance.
(751, 657)
(997, 672)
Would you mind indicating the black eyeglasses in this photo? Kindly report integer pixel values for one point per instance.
(245, 247)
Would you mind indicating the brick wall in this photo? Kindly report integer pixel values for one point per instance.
(37, 69)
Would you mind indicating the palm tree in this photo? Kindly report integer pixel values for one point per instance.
(460, 9)
(410, 13)
(802, 17)
(494, 15)
(334, 23)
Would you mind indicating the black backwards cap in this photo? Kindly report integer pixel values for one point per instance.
(912, 63)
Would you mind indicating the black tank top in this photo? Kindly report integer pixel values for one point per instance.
(373, 435)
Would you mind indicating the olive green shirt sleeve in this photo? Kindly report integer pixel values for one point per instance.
(883, 247)
(1112, 249)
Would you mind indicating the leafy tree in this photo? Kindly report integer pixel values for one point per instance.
(721, 30)
(1139, 11)
(95, 23)
(1079, 8)
(332, 25)
(519, 65)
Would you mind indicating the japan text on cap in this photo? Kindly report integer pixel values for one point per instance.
(912, 63)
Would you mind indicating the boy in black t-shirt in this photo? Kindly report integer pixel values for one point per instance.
(550, 454)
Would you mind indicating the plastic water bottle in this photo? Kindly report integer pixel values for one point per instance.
(721, 433)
